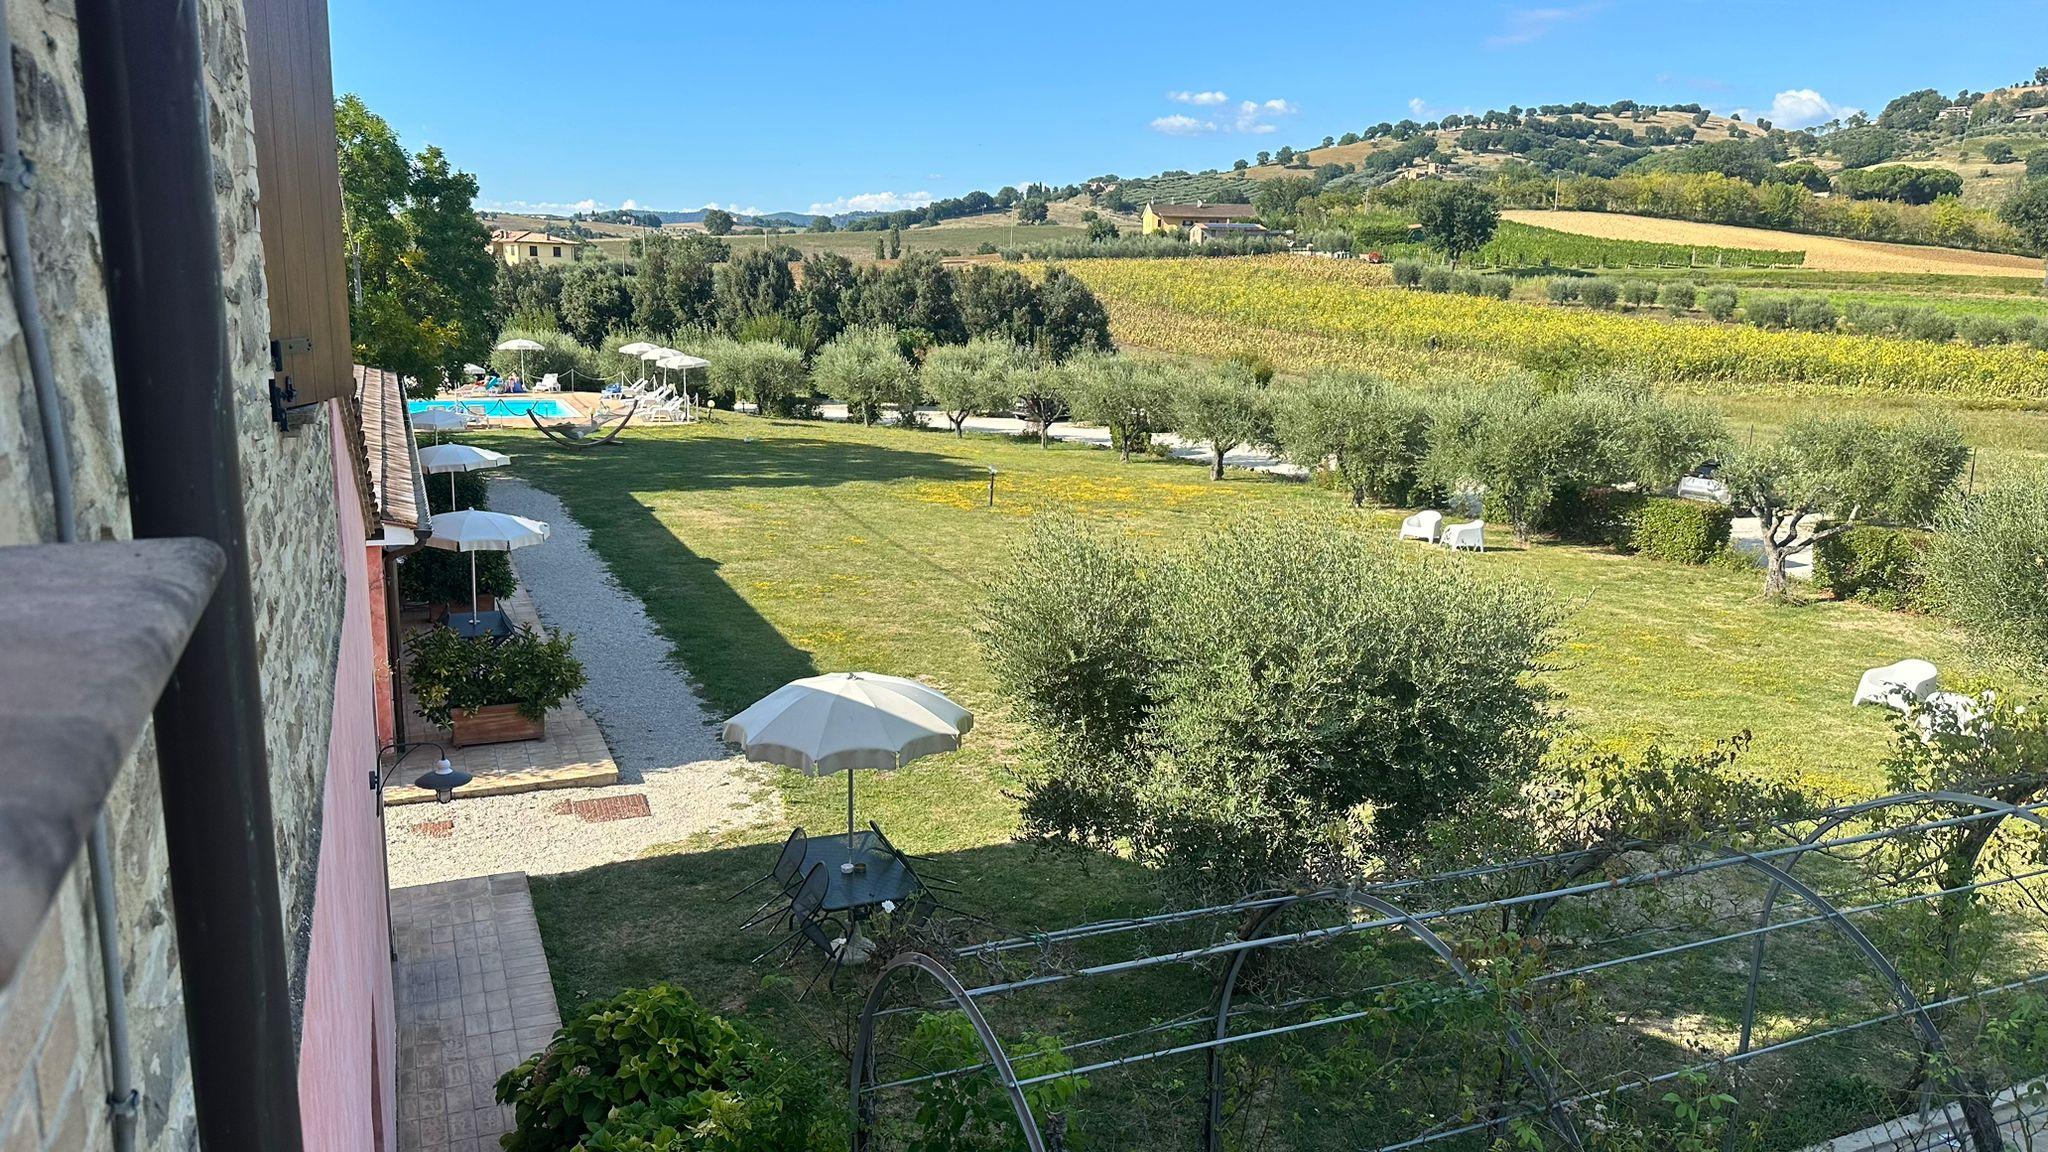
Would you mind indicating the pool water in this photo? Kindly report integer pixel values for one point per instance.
(501, 406)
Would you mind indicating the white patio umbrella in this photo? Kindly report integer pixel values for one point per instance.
(474, 370)
(453, 458)
(438, 420)
(846, 720)
(635, 348)
(473, 530)
(522, 346)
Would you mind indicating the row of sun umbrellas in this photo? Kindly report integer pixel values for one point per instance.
(470, 530)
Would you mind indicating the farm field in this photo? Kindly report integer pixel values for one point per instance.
(1301, 314)
(1825, 253)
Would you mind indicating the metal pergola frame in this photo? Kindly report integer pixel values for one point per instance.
(1261, 911)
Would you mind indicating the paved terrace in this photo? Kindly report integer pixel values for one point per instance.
(474, 1001)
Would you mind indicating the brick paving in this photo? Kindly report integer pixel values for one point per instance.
(574, 754)
(474, 1000)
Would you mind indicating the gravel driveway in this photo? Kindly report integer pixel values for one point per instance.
(661, 736)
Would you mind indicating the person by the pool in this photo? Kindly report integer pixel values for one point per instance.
(515, 384)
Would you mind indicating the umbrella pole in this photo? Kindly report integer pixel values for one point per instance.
(472, 589)
(451, 491)
(849, 816)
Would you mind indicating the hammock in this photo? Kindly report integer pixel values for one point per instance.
(581, 436)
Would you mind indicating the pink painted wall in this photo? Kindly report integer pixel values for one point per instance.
(346, 1051)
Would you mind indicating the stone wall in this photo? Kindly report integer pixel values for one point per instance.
(52, 1019)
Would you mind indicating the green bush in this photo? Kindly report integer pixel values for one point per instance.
(1436, 278)
(1678, 297)
(438, 576)
(470, 491)
(1408, 273)
(1931, 324)
(973, 1113)
(1719, 303)
(1768, 311)
(1598, 515)
(1561, 291)
(1984, 330)
(649, 1070)
(450, 673)
(1498, 287)
(1985, 569)
(1812, 314)
(1599, 293)
(1680, 531)
(1874, 564)
(1639, 292)
(560, 354)
(1468, 283)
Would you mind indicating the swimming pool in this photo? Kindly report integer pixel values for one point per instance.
(501, 407)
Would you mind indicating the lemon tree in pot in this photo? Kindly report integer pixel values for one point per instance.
(491, 693)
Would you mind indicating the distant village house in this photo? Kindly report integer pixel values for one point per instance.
(520, 247)
(1174, 217)
(1209, 230)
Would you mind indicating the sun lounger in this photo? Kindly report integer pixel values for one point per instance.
(1898, 686)
(548, 383)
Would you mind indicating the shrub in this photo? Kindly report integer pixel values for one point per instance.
(450, 673)
(1985, 569)
(1812, 314)
(1931, 324)
(972, 1113)
(1678, 297)
(1498, 287)
(1984, 330)
(1719, 303)
(1680, 531)
(2037, 334)
(1768, 311)
(1227, 709)
(1408, 273)
(470, 490)
(1639, 292)
(1599, 293)
(438, 576)
(1468, 283)
(559, 354)
(1436, 278)
(1561, 291)
(1873, 564)
(862, 368)
(1597, 515)
(637, 1072)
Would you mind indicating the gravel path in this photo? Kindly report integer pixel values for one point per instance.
(660, 734)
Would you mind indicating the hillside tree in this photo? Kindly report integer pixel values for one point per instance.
(1828, 474)
(979, 376)
(2027, 211)
(1457, 218)
(1032, 211)
(718, 221)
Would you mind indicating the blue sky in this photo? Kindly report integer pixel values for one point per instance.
(882, 105)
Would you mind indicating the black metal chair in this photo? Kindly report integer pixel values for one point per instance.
(807, 914)
(924, 880)
(785, 874)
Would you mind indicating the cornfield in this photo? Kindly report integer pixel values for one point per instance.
(1303, 313)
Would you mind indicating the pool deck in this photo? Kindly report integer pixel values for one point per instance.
(582, 402)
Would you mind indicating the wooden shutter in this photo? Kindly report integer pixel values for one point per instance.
(298, 176)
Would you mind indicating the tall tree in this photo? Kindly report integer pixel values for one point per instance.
(755, 286)
(718, 221)
(1071, 319)
(2027, 211)
(978, 376)
(1221, 407)
(1457, 217)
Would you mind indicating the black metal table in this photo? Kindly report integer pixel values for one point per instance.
(878, 876)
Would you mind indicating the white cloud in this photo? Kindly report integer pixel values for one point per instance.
(871, 202)
(542, 207)
(1256, 117)
(749, 210)
(1421, 109)
(630, 204)
(1178, 125)
(1803, 108)
(1202, 98)
(1528, 24)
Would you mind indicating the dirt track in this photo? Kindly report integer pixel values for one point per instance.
(1825, 253)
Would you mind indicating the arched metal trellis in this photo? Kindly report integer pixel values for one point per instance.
(1375, 908)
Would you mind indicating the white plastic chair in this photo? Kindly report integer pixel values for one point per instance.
(669, 411)
(1470, 535)
(548, 383)
(476, 416)
(1422, 526)
(1897, 686)
(1703, 488)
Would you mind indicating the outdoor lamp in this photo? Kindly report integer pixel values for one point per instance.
(443, 780)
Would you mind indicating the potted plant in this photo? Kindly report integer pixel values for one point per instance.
(489, 692)
(439, 577)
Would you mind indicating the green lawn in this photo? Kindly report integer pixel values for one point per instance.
(767, 550)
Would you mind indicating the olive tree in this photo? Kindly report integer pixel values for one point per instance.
(1222, 407)
(978, 376)
(1987, 568)
(864, 369)
(762, 372)
(1520, 446)
(1285, 692)
(1371, 434)
(1131, 398)
(1827, 474)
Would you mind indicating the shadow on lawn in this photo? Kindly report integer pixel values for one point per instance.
(668, 918)
(720, 462)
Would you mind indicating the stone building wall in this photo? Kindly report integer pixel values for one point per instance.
(52, 1063)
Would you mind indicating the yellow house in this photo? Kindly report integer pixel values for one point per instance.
(515, 247)
(1174, 217)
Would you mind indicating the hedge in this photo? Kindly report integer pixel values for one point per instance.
(1660, 527)
(1872, 564)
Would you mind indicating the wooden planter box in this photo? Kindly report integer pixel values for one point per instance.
(485, 602)
(495, 724)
